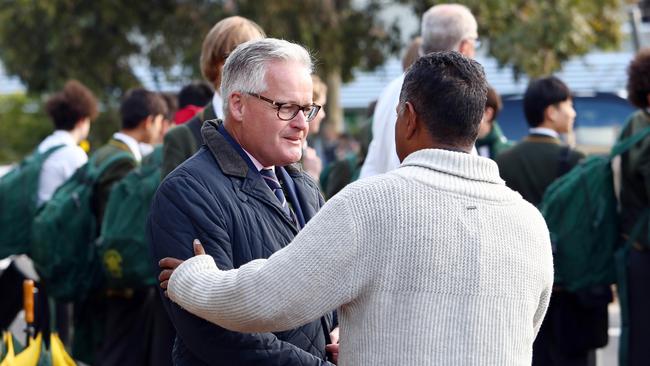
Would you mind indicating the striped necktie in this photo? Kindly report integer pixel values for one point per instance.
(272, 181)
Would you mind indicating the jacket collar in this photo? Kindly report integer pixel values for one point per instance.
(229, 159)
(232, 161)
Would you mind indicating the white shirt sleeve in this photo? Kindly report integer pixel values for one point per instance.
(382, 155)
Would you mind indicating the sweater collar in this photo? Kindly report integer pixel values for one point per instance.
(463, 165)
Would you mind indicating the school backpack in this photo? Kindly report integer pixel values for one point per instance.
(18, 203)
(123, 247)
(64, 234)
(581, 212)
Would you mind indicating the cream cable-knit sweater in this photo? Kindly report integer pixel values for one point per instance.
(435, 263)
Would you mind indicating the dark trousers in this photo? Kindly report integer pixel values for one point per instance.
(565, 335)
(11, 290)
(137, 331)
(639, 308)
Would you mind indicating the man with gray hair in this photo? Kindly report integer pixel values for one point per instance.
(445, 27)
(244, 198)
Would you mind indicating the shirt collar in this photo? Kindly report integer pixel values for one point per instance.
(543, 131)
(131, 143)
(217, 104)
(256, 162)
(64, 137)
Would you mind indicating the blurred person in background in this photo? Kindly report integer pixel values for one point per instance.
(71, 111)
(184, 140)
(111, 320)
(575, 322)
(491, 140)
(635, 204)
(311, 161)
(191, 100)
(445, 27)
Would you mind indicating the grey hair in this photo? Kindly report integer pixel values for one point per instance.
(445, 26)
(245, 68)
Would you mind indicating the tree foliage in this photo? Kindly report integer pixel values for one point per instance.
(536, 37)
(22, 126)
(341, 35)
(98, 42)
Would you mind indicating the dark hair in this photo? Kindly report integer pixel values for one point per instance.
(70, 105)
(198, 94)
(138, 104)
(448, 91)
(171, 102)
(494, 102)
(540, 94)
(638, 81)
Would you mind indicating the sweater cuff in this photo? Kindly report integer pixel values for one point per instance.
(184, 277)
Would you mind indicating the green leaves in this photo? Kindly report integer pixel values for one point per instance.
(536, 37)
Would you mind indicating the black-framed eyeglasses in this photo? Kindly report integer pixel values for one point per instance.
(287, 111)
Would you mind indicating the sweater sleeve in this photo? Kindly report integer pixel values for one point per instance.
(180, 213)
(306, 279)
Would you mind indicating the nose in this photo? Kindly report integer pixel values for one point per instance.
(300, 121)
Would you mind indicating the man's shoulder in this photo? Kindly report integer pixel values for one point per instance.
(179, 133)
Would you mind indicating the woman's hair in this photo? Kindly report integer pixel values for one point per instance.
(222, 39)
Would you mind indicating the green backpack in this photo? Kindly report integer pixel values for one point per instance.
(581, 211)
(18, 203)
(123, 245)
(64, 234)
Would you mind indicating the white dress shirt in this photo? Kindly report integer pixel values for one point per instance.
(59, 166)
(382, 155)
(543, 131)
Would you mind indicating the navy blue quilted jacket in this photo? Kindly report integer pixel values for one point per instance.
(218, 197)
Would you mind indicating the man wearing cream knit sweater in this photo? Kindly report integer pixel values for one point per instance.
(435, 263)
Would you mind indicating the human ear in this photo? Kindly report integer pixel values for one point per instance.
(236, 106)
(411, 119)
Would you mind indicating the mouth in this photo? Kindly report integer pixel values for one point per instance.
(294, 139)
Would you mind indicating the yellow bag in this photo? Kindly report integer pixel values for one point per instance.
(7, 358)
(27, 357)
(59, 355)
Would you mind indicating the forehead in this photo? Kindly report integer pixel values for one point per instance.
(288, 77)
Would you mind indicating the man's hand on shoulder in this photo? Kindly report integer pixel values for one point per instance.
(168, 265)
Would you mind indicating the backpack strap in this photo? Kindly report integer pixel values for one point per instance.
(627, 143)
(95, 171)
(51, 150)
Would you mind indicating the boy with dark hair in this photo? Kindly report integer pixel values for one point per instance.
(529, 168)
(541, 157)
(142, 113)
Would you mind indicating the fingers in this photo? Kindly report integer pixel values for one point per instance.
(169, 263)
(198, 247)
(165, 275)
(163, 285)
